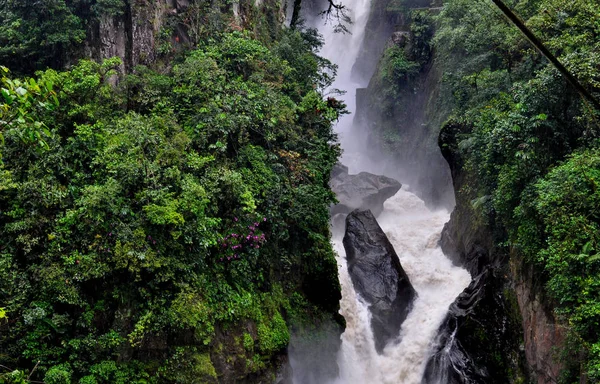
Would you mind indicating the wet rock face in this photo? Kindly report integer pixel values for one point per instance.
(485, 321)
(362, 191)
(451, 362)
(480, 340)
(542, 331)
(377, 275)
(338, 169)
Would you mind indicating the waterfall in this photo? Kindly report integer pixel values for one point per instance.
(413, 230)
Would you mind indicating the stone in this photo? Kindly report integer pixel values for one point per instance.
(400, 38)
(338, 169)
(377, 276)
(362, 191)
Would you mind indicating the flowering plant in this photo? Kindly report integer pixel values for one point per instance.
(243, 238)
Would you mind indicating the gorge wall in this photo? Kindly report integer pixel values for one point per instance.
(508, 330)
(109, 275)
(144, 33)
(503, 328)
(398, 109)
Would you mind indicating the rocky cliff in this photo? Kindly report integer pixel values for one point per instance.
(502, 328)
(152, 32)
(399, 112)
(508, 329)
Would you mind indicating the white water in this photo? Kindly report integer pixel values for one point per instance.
(413, 230)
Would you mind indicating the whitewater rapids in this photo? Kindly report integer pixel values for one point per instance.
(414, 231)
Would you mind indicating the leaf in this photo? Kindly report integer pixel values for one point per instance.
(587, 248)
(593, 258)
(7, 96)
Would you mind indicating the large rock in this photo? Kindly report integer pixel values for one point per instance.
(362, 191)
(377, 276)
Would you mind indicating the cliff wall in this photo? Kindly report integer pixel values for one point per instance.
(503, 328)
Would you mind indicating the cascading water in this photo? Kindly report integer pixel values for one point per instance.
(413, 230)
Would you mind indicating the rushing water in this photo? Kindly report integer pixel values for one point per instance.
(413, 230)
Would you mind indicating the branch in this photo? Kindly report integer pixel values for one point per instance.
(339, 12)
(544, 51)
(34, 368)
(333, 5)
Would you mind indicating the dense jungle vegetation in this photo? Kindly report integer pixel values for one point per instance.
(164, 224)
(530, 148)
(170, 223)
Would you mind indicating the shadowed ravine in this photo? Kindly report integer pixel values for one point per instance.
(413, 230)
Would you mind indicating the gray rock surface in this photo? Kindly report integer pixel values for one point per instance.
(362, 191)
(377, 276)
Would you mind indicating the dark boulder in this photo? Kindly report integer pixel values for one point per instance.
(451, 363)
(362, 191)
(338, 169)
(377, 276)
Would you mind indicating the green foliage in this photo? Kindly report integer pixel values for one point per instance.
(187, 365)
(565, 203)
(529, 144)
(248, 342)
(59, 374)
(396, 69)
(120, 234)
(109, 7)
(273, 334)
(23, 105)
(402, 61)
(36, 34)
(14, 377)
